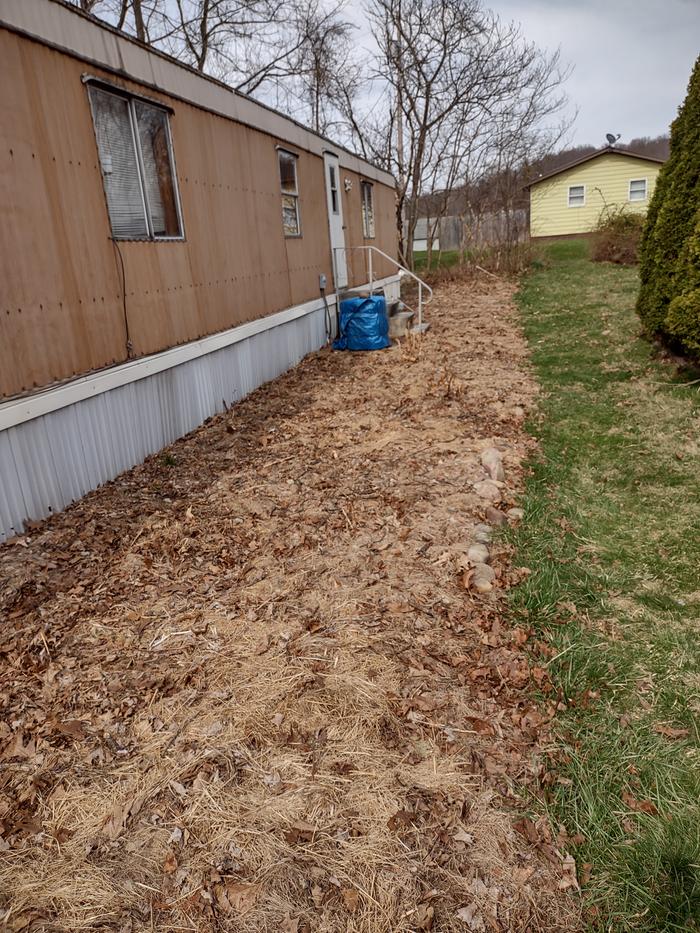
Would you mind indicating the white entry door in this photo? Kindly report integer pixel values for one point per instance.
(335, 219)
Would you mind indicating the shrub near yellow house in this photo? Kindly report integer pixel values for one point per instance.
(569, 202)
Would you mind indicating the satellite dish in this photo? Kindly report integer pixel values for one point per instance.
(612, 139)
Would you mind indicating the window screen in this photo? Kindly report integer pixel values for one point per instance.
(577, 195)
(290, 193)
(367, 192)
(134, 148)
(638, 189)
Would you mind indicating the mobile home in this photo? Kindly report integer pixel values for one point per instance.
(163, 248)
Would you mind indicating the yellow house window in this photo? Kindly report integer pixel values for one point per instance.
(577, 195)
(638, 189)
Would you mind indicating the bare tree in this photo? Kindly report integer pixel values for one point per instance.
(446, 96)
(257, 46)
(458, 82)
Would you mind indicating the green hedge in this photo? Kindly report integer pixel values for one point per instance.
(669, 297)
(683, 318)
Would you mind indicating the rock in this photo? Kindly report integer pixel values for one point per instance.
(478, 554)
(483, 577)
(515, 515)
(483, 534)
(488, 490)
(495, 516)
(492, 461)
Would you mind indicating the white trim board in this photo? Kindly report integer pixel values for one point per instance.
(43, 402)
(59, 26)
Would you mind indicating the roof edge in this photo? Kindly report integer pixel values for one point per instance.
(53, 23)
(606, 150)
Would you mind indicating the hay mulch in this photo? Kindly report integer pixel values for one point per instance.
(247, 687)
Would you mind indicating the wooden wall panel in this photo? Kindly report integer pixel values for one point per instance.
(310, 254)
(59, 265)
(352, 218)
(386, 237)
(60, 302)
(384, 228)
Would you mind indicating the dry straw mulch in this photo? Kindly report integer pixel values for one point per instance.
(246, 686)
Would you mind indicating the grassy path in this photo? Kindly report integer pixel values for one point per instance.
(612, 535)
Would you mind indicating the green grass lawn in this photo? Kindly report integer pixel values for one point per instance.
(612, 536)
(449, 257)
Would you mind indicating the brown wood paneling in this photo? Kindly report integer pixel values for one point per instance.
(385, 229)
(62, 311)
(60, 304)
(310, 254)
(352, 218)
(386, 237)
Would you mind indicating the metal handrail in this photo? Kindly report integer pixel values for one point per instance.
(402, 270)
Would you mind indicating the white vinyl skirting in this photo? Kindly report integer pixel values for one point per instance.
(58, 444)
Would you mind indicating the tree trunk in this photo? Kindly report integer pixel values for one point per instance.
(138, 20)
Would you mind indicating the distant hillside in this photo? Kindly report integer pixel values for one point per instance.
(656, 148)
(507, 189)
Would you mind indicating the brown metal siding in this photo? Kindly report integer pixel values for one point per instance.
(384, 228)
(61, 307)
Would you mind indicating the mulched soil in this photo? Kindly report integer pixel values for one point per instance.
(247, 685)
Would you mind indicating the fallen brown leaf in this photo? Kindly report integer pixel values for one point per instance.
(351, 898)
(300, 832)
(424, 917)
(569, 879)
(116, 819)
(237, 896)
(642, 806)
(669, 731)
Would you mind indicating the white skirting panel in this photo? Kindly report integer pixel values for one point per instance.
(50, 459)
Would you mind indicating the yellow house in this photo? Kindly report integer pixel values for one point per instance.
(569, 202)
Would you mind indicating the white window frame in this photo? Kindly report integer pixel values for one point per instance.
(290, 194)
(629, 190)
(131, 100)
(578, 203)
(368, 229)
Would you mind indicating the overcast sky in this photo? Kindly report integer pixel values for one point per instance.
(631, 58)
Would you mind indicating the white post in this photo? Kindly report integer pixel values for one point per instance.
(371, 275)
(420, 304)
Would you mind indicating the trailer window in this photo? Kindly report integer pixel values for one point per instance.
(367, 193)
(133, 141)
(334, 188)
(290, 193)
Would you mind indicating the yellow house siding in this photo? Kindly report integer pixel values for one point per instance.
(606, 180)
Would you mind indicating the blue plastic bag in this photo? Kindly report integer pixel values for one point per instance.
(364, 324)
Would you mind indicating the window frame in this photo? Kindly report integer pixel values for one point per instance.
(578, 203)
(281, 151)
(334, 189)
(131, 100)
(369, 232)
(632, 181)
